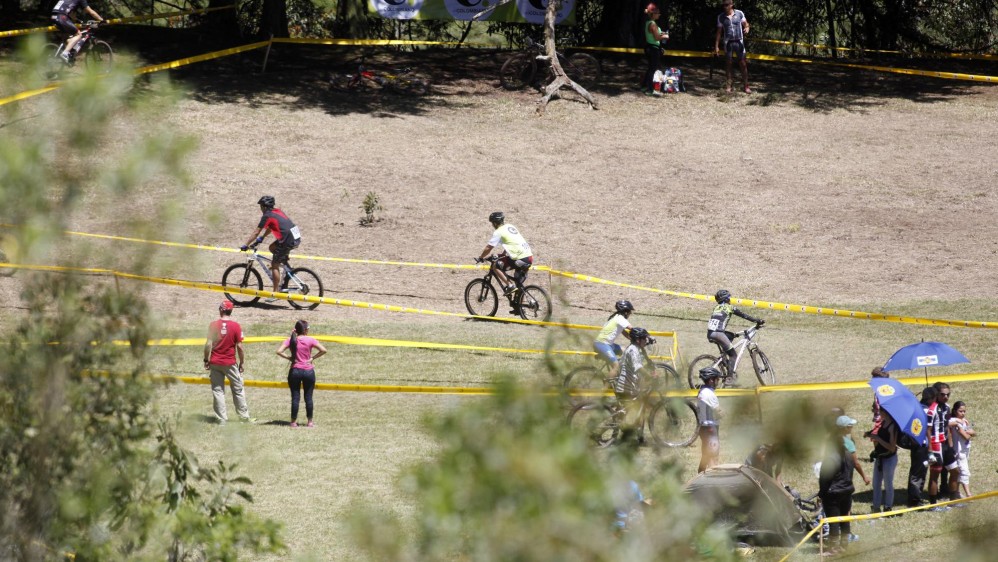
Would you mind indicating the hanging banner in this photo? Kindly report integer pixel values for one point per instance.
(520, 11)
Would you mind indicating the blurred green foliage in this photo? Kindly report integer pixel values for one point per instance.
(85, 465)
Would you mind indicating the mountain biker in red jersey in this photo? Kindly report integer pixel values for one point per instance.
(287, 235)
(719, 321)
(60, 15)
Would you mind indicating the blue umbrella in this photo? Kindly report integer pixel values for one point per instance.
(902, 405)
(924, 354)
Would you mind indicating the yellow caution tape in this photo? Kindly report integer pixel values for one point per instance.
(969, 56)
(26, 94)
(908, 71)
(301, 298)
(892, 513)
(16, 32)
(200, 58)
(378, 342)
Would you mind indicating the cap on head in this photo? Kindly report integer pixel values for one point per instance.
(225, 306)
(722, 296)
(651, 8)
(497, 217)
(267, 201)
(845, 421)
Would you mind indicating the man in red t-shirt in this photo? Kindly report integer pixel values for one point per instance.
(221, 351)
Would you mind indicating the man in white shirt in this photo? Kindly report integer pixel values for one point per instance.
(516, 252)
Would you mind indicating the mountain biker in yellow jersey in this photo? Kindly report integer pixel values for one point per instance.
(516, 252)
(617, 324)
(719, 321)
(287, 235)
(60, 16)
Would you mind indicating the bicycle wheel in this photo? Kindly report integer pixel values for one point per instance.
(534, 304)
(414, 86)
(673, 423)
(518, 71)
(596, 421)
(99, 57)
(243, 277)
(693, 377)
(51, 65)
(585, 378)
(583, 69)
(763, 370)
(480, 298)
(308, 284)
(670, 375)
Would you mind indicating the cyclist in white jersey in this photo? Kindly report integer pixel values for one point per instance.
(515, 252)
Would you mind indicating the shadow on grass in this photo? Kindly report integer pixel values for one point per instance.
(298, 77)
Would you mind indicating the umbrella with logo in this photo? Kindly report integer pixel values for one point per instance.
(902, 405)
(924, 354)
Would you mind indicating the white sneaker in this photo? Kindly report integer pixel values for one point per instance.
(270, 300)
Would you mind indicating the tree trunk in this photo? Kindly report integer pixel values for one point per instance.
(274, 19)
(830, 16)
(221, 22)
(561, 79)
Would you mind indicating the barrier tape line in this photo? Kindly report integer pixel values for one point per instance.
(200, 58)
(686, 393)
(26, 94)
(931, 54)
(301, 298)
(376, 342)
(892, 513)
(785, 307)
(113, 21)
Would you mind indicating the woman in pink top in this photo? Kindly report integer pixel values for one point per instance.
(302, 372)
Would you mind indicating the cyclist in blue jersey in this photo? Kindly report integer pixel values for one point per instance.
(286, 234)
(60, 16)
(719, 321)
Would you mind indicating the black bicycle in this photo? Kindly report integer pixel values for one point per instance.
(672, 422)
(97, 54)
(297, 281)
(530, 302)
(521, 69)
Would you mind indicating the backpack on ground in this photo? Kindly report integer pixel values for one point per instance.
(673, 81)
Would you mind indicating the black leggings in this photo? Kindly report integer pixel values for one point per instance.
(296, 379)
(836, 505)
(653, 55)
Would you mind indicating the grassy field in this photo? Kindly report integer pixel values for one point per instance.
(822, 189)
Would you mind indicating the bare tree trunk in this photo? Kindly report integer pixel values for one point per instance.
(830, 15)
(561, 80)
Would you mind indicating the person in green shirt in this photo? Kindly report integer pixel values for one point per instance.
(654, 40)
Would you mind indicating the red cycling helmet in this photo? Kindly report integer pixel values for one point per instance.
(226, 306)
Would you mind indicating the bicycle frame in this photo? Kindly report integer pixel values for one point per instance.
(747, 343)
(265, 262)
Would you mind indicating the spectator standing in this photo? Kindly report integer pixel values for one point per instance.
(709, 414)
(942, 459)
(302, 371)
(885, 460)
(733, 27)
(835, 487)
(223, 359)
(654, 41)
(918, 469)
(963, 433)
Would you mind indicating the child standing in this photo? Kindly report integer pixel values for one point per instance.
(962, 434)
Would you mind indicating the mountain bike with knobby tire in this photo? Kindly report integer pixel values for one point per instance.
(402, 81)
(595, 378)
(97, 55)
(530, 302)
(523, 69)
(671, 421)
(295, 281)
(760, 362)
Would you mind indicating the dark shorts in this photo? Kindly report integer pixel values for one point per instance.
(64, 24)
(281, 252)
(733, 49)
(506, 263)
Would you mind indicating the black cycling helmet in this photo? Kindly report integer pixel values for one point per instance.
(624, 306)
(267, 201)
(708, 373)
(638, 333)
(497, 217)
(723, 295)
